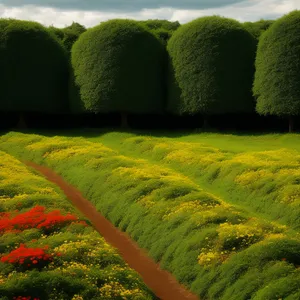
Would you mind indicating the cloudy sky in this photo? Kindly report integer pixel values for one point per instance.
(61, 13)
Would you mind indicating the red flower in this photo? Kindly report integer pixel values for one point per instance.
(28, 256)
(35, 218)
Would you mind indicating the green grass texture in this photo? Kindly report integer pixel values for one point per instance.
(219, 211)
(88, 267)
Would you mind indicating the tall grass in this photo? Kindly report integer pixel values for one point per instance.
(259, 173)
(87, 268)
(220, 250)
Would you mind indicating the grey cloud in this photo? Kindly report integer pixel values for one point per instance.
(244, 11)
(121, 5)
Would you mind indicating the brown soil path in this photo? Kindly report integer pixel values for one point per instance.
(162, 283)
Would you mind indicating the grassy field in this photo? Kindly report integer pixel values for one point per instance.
(221, 212)
(259, 173)
(48, 251)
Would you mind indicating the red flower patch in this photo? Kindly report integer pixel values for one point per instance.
(36, 218)
(29, 257)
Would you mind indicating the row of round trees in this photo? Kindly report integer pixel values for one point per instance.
(36, 75)
(119, 67)
(204, 67)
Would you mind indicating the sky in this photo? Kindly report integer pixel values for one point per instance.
(61, 13)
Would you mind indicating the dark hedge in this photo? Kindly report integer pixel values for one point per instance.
(68, 35)
(277, 77)
(163, 29)
(258, 28)
(118, 67)
(33, 68)
(161, 24)
(211, 67)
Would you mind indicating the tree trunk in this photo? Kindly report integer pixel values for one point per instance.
(205, 122)
(21, 123)
(124, 120)
(291, 124)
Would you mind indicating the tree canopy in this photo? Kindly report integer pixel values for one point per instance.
(68, 35)
(161, 24)
(117, 67)
(34, 68)
(258, 27)
(163, 29)
(76, 28)
(277, 76)
(211, 67)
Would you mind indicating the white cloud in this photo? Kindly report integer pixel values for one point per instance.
(250, 10)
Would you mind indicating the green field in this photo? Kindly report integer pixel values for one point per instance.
(78, 264)
(219, 211)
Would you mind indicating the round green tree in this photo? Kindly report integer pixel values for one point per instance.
(211, 67)
(277, 77)
(118, 67)
(34, 69)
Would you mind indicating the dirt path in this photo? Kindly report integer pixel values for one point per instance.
(160, 282)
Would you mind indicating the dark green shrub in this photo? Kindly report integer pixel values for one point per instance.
(76, 28)
(212, 64)
(69, 39)
(43, 284)
(161, 24)
(163, 34)
(277, 77)
(163, 29)
(118, 68)
(34, 68)
(68, 35)
(71, 34)
(258, 28)
(58, 32)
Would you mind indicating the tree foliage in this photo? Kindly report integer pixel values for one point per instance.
(76, 28)
(71, 34)
(161, 24)
(163, 29)
(212, 66)
(259, 27)
(68, 35)
(117, 67)
(34, 68)
(58, 32)
(277, 77)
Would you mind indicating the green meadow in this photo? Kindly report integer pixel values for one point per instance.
(77, 264)
(219, 211)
